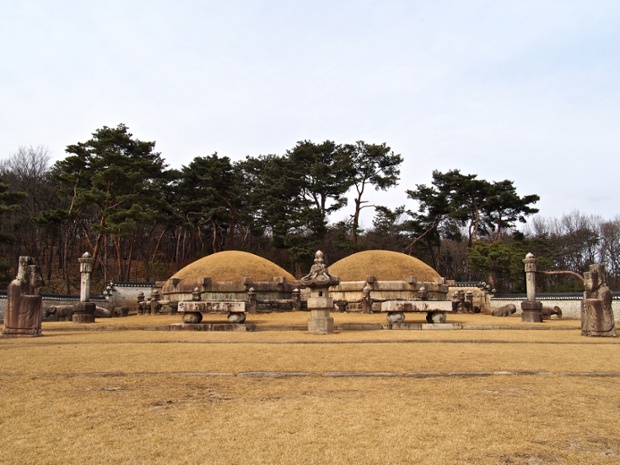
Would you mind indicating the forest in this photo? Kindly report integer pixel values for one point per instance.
(114, 196)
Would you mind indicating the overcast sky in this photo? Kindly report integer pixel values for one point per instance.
(521, 90)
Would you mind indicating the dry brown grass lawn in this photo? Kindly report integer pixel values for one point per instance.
(159, 397)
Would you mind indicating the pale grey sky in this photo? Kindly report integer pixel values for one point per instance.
(521, 90)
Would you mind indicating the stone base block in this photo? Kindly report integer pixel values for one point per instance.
(212, 327)
(320, 322)
(16, 332)
(395, 317)
(440, 326)
(410, 326)
(531, 312)
(84, 312)
(83, 318)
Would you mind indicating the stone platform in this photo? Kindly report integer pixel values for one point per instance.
(233, 327)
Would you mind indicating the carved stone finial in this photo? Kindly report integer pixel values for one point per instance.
(319, 275)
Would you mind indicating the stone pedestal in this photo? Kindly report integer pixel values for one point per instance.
(84, 312)
(320, 322)
(531, 312)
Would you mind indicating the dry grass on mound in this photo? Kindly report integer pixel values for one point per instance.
(384, 265)
(233, 265)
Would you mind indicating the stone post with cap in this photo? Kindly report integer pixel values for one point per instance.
(531, 310)
(84, 311)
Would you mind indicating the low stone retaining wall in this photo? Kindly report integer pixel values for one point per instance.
(570, 305)
(54, 300)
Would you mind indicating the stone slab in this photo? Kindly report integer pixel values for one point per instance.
(212, 306)
(417, 306)
(212, 327)
(414, 326)
(428, 326)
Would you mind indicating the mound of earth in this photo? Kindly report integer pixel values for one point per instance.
(385, 265)
(232, 265)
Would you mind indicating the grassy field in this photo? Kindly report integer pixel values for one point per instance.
(518, 396)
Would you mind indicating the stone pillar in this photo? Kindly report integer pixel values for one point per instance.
(296, 298)
(252, 302)
(531, 310)
(320, 304)
(84, 312)
(156, 304)
(366, 299)
(86, 268)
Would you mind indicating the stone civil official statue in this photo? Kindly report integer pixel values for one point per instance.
(24, 306)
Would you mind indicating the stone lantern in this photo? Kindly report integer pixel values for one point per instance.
(319, 303)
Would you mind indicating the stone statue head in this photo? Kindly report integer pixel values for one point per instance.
(29, 275)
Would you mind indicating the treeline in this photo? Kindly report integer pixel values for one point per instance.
(114, 196)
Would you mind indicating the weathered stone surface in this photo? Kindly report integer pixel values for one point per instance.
(319, 276)
(192, 317)
(548, 311)
(416, 306)
(212, 327)
(436, 317)
(236, 317)
(403, 326)
(83, 318)
(598, 322)
(597, 317)
(321, 323)
(58, 313)
(427, 326)
(84, 312)
(231, 327)
(212, 306)
(24, 309)
(319, 303)
(504, 310)
(531, 312)
(395, 317)
(120, 311)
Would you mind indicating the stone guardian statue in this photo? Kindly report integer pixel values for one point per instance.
(597, 316)
(24, 309)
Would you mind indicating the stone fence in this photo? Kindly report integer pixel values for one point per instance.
(54, 300)
(569, 302)
(126, 294)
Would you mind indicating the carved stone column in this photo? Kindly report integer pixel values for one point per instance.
(531, 310)
(84, 312)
